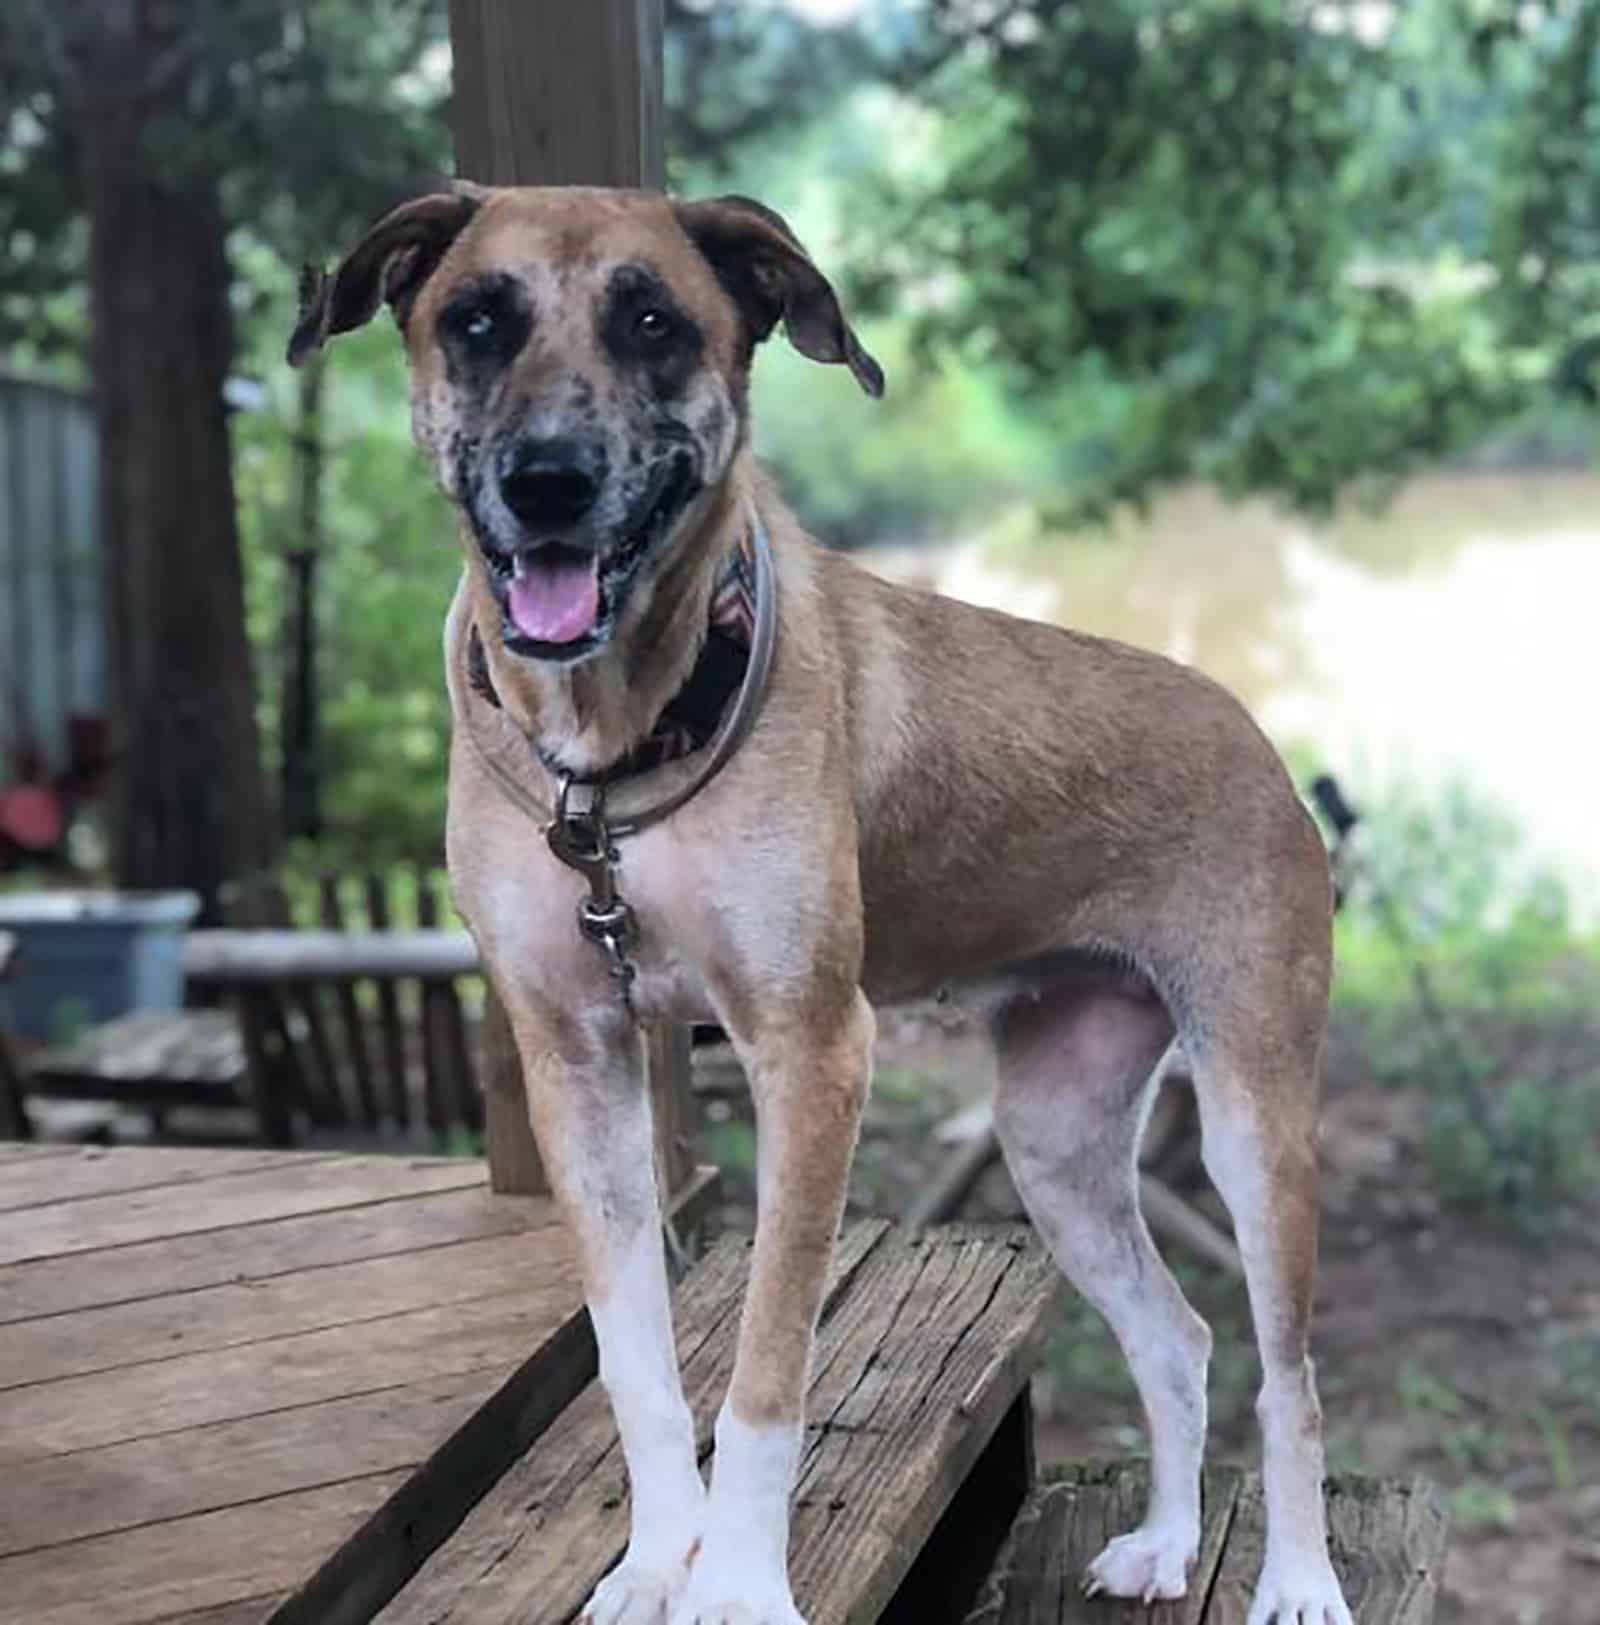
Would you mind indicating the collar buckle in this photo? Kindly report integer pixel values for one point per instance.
(582, 841)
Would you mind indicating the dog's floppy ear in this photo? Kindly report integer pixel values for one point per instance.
(389, 264)
(770, 277)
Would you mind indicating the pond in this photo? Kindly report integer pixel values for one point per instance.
(1452, 634)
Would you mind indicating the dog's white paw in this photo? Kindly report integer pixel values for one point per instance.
(1151, 1563)
(1300, 1592)
(722, 1593)
(637, 1593)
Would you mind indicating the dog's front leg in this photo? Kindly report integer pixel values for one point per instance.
(809, 1076)
(591, 1116)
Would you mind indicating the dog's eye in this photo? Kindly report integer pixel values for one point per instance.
(653, 325)
(479, 323)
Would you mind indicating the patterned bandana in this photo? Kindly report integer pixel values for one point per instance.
(690, 717)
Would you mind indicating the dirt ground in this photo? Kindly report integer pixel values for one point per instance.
(1446, 1345)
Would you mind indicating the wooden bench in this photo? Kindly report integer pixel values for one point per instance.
(354, 1016)
(1387, 1540)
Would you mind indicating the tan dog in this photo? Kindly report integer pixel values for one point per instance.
(932, 795)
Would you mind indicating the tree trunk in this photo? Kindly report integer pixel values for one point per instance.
(188, 800)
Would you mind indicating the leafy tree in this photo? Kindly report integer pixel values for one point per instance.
(1212, 238)
(741, 76)
(143, 140)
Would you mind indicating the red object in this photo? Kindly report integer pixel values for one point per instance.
(33, 818)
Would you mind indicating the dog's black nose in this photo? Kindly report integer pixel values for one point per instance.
(550, 484)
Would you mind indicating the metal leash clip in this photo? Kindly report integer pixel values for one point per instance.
(582, 841)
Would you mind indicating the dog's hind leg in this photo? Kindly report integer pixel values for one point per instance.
(1076, 1079)
(1256, 1081)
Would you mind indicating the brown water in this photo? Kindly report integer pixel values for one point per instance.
(1453, 634)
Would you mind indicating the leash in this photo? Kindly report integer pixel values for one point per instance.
(583, 836)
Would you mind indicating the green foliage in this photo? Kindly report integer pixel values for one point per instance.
(940, 451)
(1480, 990)
(312, 117)
(1538, 1146)
(1492, 928)
(388, 569)
(1247, 241)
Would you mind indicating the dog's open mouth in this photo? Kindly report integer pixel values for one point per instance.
(561, 600)
(552, 592)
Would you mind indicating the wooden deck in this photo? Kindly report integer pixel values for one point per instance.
(239, 1386)
(217, 1366)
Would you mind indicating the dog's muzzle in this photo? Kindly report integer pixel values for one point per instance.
(562, 589)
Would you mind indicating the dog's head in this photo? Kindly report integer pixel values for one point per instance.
(580, 362)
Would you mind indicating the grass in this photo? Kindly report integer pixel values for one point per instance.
(1478, 987)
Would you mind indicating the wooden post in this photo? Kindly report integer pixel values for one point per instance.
(558, 92)
(563, 93)
(514, 1163)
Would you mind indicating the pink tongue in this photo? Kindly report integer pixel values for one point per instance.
(555, 603)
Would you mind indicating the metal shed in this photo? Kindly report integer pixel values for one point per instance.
(52, 628)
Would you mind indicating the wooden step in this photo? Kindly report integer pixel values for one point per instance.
(922, 1361)
(1387, 1539)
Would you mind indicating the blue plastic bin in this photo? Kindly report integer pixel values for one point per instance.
(84, 957)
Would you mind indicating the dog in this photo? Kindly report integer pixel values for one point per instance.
(921, 795)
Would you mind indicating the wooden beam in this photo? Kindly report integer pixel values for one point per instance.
(514, 1162)
(273, 956)
(563, 93)
(558, 92)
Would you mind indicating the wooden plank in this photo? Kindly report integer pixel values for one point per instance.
(535, 1546)
(15, 1151)
(102, 1170)
(141, 1575)
(186, 1391)
(319, 1066)
(304, 1300)
(1067, 1522)
(272, 1075)
(672, 1104)
(913, 1376)
(314, 1184)
(436, 1092)
(237, 957)
(403, 1224)
(515, 1166)
(183, 1046)
(252, 1611)
(144, 1481)
(331, 906)
(1387, 1541)
(394, 1047)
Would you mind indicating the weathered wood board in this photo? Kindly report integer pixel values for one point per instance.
(1387, 1540)
(925, 1343)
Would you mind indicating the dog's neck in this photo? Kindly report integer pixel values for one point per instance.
(585, 718)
